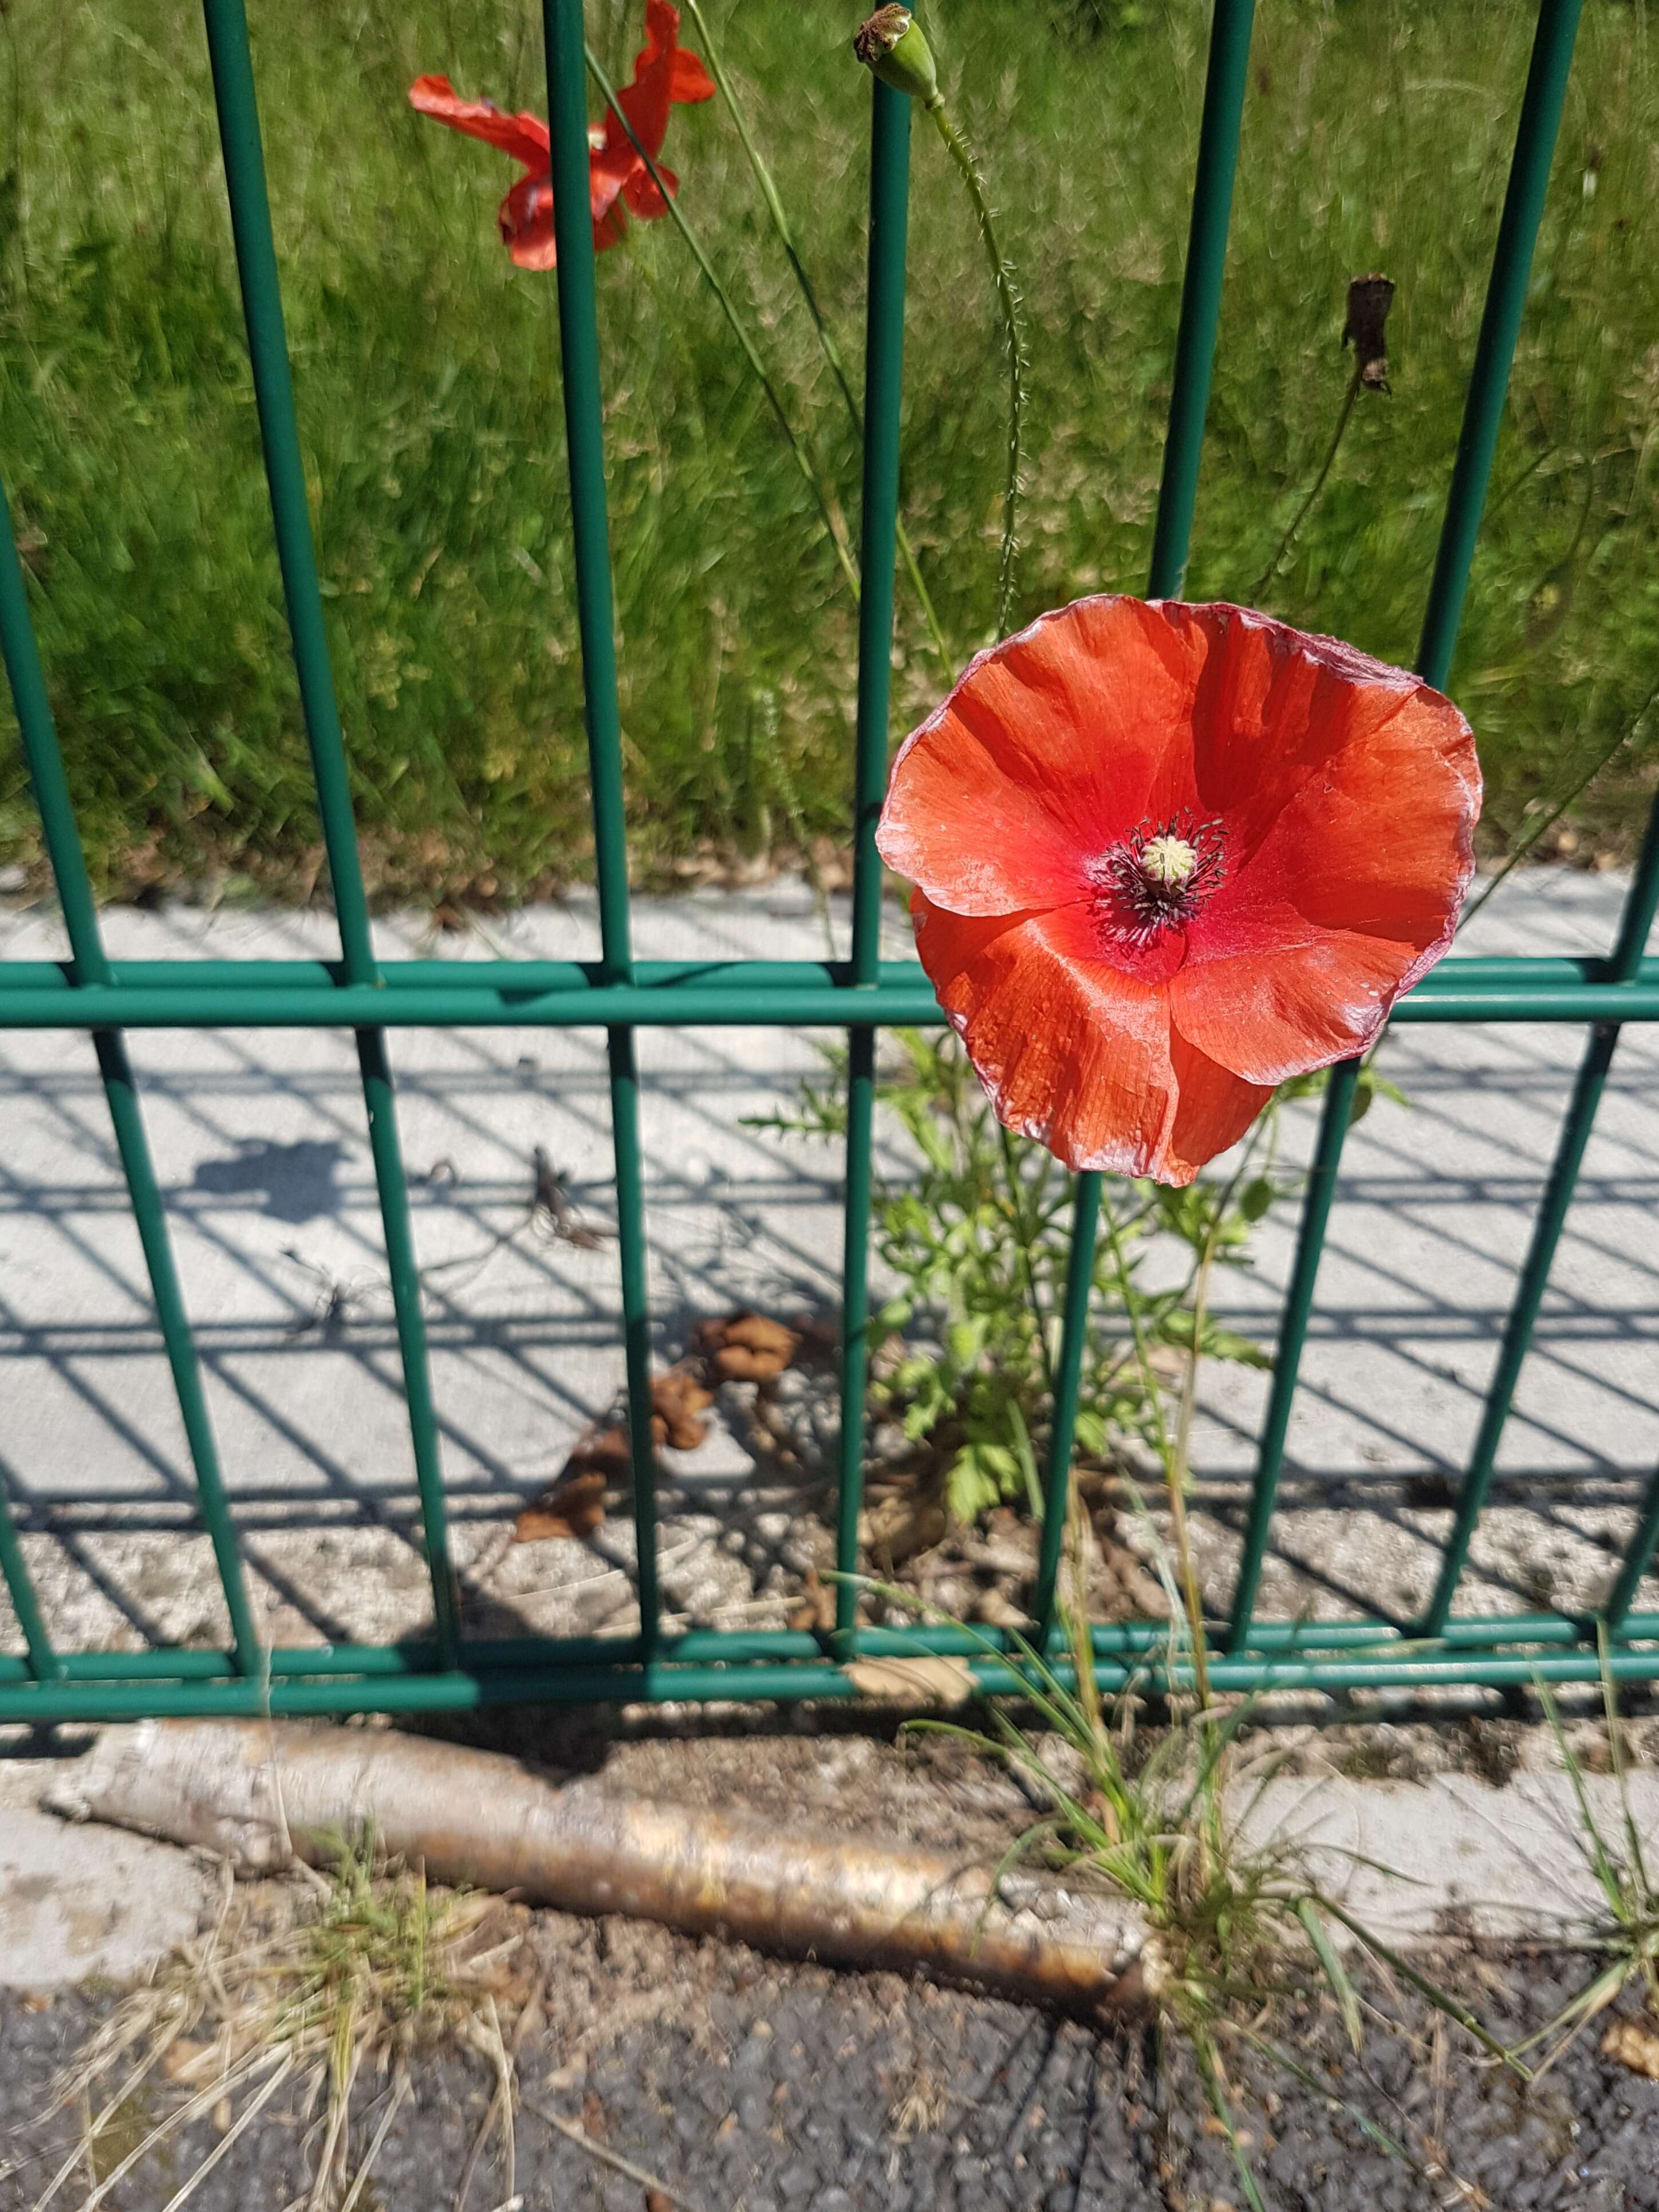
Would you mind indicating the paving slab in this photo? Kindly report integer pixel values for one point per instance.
(80, 1903)
(261, 1151)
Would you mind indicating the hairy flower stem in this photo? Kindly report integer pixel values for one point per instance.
(1173, 1451)
(739, 331)
(768, 191)
(1317, 485)
(1025, 1235)
(1013, 346)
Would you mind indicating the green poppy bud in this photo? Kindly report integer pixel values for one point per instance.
(893, 44)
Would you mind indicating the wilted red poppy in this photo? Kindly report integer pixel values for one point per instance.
(1166, 856)
(664, 74)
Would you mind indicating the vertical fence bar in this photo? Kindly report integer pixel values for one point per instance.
(1292, 1334)
(43, 1662)
(1636, 922)
(1500, 326)
(62, 840)
(1224, 84)
(1523, 208)
(1483, 413)
(262, 307)
(883, 379)
(1226, 79)
(584, 422)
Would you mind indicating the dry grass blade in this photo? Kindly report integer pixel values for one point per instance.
(399, 2091)
(204, 2102)
(255, 2105)
(368, 1969)
(610, 2158)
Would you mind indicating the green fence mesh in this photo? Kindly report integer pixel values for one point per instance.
(859, 996)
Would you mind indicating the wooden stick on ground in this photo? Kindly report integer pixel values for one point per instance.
(253, 1792)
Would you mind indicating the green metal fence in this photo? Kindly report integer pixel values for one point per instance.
(619, 993)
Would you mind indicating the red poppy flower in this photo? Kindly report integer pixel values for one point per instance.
(1166, 856)
(665, 75)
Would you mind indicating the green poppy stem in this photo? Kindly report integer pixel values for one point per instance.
(1316, 488)
(1013, 345)
(768, 191)
(739, 331)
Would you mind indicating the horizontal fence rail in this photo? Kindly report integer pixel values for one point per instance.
(90, 992)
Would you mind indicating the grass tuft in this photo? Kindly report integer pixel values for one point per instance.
(371, 1971)
(426, 380)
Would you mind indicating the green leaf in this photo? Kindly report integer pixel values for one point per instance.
(1228, 1343)
(969, 1492)
(1255, 1198)
(1325, 1951)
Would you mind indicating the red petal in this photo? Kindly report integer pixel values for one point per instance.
(1271, 707)
(1215, 1108)
(641, 194)
(646, 101)
(1290, 997)
(1071, 1052)
(1351, 892)
(1382, 839)
(1053, 746)
(524, 137)
(608, 174)
(691, 81)
(525, 217)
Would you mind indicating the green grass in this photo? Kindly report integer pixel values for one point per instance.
(1376, 137)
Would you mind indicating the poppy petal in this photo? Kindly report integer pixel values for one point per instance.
(524, 137)
(609, 174)
(1382, 839)
(1351, 894)
(690, 81)
(641, 194)
(1290, 997)
(1215, 1107)
(646, 100)
(1053, 745)
(1271, 707)
(525, 218)
(1069, 1050)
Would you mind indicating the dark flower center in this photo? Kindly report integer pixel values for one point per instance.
(1158, 879)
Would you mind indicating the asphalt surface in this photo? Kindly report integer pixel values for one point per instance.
(746, 2086)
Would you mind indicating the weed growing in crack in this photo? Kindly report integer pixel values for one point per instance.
(371, 1972)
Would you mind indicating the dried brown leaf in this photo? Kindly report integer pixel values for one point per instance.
(746, 1347)
(996, 1610)
(574, 1506)
(913, 1681)
(815, 1609)
(1633, 2046)
(755, 1333)
(677, 1399)
(901, 1523)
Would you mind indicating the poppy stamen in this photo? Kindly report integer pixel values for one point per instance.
(1158, 879)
